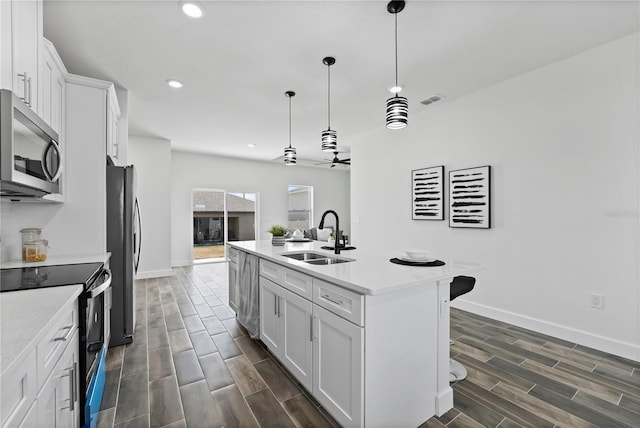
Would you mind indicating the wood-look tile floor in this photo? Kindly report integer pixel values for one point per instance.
(191, 364)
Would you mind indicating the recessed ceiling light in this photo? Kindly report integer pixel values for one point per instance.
(192, 9)
(395, 89)
(174, 83)
(251, 145)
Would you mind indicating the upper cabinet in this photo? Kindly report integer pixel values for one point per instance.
(53, 104)
(113, 130)
(53, 94)
(21, 49)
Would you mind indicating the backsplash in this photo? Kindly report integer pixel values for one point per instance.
(7, 235)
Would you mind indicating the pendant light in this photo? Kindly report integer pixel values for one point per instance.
(397, 106)
(290, 152)
(329, 136)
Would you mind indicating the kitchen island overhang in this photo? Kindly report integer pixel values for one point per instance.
(399, 360)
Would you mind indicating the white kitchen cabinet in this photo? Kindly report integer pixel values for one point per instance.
(269, 320)
(234, 278)
(53, 105)
(320, 348)
(43, 390)
(21, 33)
(53, 89)
(285, 327)
(338, 369)
(58, 400)
(19, 391)
(113, 121)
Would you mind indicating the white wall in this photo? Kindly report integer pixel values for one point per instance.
(269, 180)
(563, 143)
(152, 160)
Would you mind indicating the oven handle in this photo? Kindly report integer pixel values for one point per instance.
(102, 287)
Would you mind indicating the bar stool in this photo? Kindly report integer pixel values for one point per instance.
(459, 286)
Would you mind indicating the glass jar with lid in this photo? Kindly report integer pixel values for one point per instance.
(29, 234)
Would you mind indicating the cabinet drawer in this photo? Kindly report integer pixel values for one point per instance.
(19, 389)
(55, 341)
(345, 303)
(290, 279)
(233, 254)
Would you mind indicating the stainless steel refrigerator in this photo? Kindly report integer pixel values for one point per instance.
(123, 242)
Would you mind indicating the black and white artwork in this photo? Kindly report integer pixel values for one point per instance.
(470, 197)
(427, 193)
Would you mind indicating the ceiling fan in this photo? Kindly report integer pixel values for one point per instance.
(336, 160)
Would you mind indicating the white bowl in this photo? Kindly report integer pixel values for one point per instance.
(298, 238)
(417, 254)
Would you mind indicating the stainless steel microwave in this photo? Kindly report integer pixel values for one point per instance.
(31, 159)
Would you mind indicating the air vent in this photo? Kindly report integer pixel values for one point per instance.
(431, 100)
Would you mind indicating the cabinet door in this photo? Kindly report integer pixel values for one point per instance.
(113, 119)
(52, 105)
(269, 315)
(234, 286)
(338, 381)
(297, 345)
(58, 400)
(26, 29)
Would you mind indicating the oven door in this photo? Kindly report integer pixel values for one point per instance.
(94, 346)
(95, 318)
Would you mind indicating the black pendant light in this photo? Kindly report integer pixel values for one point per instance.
(290, 152)
(397, 106)
(329, 136)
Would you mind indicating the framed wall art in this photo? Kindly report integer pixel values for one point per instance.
(470, 198)
(427, 193)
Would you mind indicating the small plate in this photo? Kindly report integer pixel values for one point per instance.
(423, 260)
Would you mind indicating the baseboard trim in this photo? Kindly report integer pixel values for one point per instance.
(180, 263)
(611, 346)
(154, 274)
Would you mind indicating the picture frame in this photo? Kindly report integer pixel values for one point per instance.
(470, 197)
(427, 193)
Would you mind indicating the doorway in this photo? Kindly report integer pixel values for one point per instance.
(219, 217)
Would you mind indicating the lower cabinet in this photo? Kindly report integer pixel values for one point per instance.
(285, 327)
(322, 350)
(43, 390)
(338, 373)
(58, 402)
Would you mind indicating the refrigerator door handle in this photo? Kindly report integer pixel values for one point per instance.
(137, 237)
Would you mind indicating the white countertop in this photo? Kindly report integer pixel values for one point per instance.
(25, 316)
(370, 273)
(60, 260)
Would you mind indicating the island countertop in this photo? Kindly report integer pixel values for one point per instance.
(371, 272)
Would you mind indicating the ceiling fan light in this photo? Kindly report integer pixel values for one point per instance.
(397, 112)
(329, 140)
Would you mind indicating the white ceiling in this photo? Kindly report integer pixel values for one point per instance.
(238, 60)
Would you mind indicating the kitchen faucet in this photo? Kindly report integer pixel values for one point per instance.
(336, 245)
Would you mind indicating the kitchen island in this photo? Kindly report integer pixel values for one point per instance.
(369, 339)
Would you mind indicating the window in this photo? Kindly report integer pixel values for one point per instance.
(300, 207)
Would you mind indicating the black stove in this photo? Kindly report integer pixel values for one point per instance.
(26, 278)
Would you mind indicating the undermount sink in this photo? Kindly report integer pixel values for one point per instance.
(316, 258)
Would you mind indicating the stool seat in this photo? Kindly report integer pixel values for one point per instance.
(460, 285)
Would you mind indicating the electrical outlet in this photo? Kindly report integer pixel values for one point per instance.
(597, 301)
